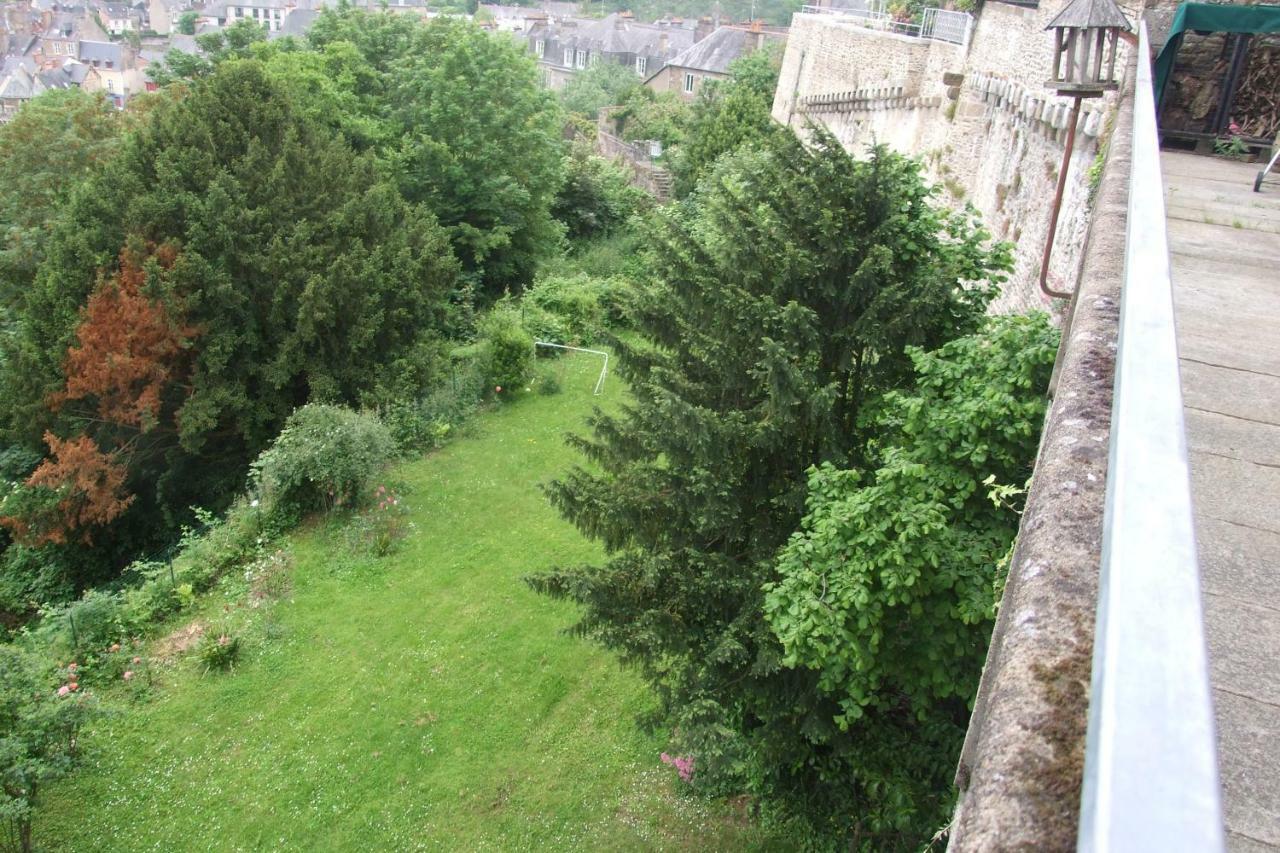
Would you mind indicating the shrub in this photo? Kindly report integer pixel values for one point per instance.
(429, 422)
(96, 620)
(579, 303)
(40, 721)
(218, 651)
(507, 347)
(596, 197)
(325, 457)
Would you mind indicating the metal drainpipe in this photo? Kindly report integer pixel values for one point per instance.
(1057, 204)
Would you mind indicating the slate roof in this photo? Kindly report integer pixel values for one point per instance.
(614, 35)
(715, 52)
(21, 85)
(102, 52)
(297, 22)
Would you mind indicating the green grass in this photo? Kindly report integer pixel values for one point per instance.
(424, 700)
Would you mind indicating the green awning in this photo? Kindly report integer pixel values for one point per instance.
(1214, 18)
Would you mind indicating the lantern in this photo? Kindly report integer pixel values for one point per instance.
(1084, 56)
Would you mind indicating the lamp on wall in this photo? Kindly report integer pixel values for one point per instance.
(1086, 37)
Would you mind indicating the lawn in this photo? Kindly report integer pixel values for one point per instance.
(423, 700)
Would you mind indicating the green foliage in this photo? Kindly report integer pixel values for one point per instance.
(326, 456)
(783, 298)
(888, 590)
(604, 84)
(647, 114)
(727, 115)
(217, 651)
(428, 422)
(489, 167)
(581, 307)
(187, 22)
(53, 144)
(597, 196)
(38, 733)
(305, 274)
(507, 349)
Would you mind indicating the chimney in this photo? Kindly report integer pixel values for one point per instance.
(662, 44)
(705, 28)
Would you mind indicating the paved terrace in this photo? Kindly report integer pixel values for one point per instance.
(1224, 241)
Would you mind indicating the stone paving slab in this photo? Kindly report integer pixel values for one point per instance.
(1237, 562)
(1225, 252)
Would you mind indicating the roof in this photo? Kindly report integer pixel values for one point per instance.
(715, 52)
(615, 34)
(102, 51)
(297, 22)
(21, 85)
(1090, 13)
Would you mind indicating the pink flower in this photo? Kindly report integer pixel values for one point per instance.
(1234, 128)
(682, 764)
(74, 687)
(128, 675)
(71, 667)
(498, 388)
(381, 489)
(64, 690)
(115, 647)
(137, 660)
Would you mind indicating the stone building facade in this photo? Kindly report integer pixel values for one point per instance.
(978, 115)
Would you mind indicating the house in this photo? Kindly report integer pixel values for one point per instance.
(709, 58)
(19, 86)
(268, 13)
(112, 70)
(565, 47)
(21, 81)
(121, 19)
(164, 15)
(297, 22)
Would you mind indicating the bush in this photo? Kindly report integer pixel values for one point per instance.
(40, 722)
(596, 197)
(427, 423)
(325, 457)
(506, 346)
(218, 651)
(579, 304)
(97, 620)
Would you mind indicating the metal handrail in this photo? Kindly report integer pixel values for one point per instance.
(1151, 770)
(936, 24)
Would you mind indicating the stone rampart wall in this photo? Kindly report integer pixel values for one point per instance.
(979, 116)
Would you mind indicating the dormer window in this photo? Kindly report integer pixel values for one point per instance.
(540, 48)
(642, 64)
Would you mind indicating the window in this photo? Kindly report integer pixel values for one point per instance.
(580, 59)
(111, 85)
(568, 57)
(595, 57)
(642, 63)
(540, 48)
(57, 47)
(688, 83)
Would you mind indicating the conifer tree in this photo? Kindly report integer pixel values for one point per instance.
(783, 295)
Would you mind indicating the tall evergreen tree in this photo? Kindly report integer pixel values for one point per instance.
(783, 296)
(301, 274)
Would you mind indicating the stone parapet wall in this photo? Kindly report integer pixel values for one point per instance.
(979, 117)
